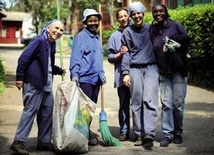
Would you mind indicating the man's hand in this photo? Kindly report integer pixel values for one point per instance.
(19, 84)
(126, 80)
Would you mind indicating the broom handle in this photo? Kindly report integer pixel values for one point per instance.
(102, 98)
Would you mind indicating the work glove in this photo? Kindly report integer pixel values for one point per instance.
(170, 45)
(103, 81)
(75, 79)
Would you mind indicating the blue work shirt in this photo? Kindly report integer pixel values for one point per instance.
(114, 45)
(86, 60)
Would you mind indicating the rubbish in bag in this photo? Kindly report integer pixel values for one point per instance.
(72, 113)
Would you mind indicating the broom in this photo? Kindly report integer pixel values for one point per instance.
(60, 39)
(108, 139)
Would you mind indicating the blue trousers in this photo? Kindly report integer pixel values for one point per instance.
(144, 86)
(36, 103)
(172, 94)
(124, 110)
(92, 91)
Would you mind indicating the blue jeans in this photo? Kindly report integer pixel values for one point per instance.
(172, 94)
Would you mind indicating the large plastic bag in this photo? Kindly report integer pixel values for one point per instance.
(72, 113)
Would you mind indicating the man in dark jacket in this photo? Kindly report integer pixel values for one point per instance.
(34, 75)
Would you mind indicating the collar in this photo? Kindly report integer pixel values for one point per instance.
(167, 24)
(91, 34)
(158, 29)
(47, 41)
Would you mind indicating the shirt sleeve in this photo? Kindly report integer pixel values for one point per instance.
(75, 58)
(111, 50)
(125, 65)
(25, 59)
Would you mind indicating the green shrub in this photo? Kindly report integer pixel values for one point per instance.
(2, 76)
(105, 35)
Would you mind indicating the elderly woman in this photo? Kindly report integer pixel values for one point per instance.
(34, 74)
(86, 62)
(140, 74)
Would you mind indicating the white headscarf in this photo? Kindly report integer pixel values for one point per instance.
(136, 6)
(44, 29)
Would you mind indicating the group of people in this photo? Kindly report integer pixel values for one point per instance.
(145, 63)
(141, 66)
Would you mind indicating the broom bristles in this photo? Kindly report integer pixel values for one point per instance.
(108, 139)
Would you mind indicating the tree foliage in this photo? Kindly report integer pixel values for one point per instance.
(43, 11)
(2, 5)
(46, 10)
(76, 12)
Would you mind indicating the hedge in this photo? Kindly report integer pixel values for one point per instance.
(2, 76)
(198, 21)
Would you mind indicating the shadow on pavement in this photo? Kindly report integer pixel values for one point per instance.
(198, 135)
(11, 47)
(4, 143)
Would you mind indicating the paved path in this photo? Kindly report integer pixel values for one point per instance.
(198, 133)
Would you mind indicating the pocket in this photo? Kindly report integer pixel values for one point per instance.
(89, 55)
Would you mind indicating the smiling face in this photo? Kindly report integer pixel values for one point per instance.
(92, 23)
(137, 17)
(159, 13)
(123, 18)
(55, 30)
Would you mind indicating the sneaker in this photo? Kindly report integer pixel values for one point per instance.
(138, 142)
(165, 142)
(177, 139)
(45, 147)
(148, 142)
(19, 148)
(123, 137)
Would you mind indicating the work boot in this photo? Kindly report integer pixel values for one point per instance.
(165, 142)
(177, 139)
(19, 148)
(147, 142)
(123, 137)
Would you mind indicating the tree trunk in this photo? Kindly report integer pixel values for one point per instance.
(74, 19)
(110, 8)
